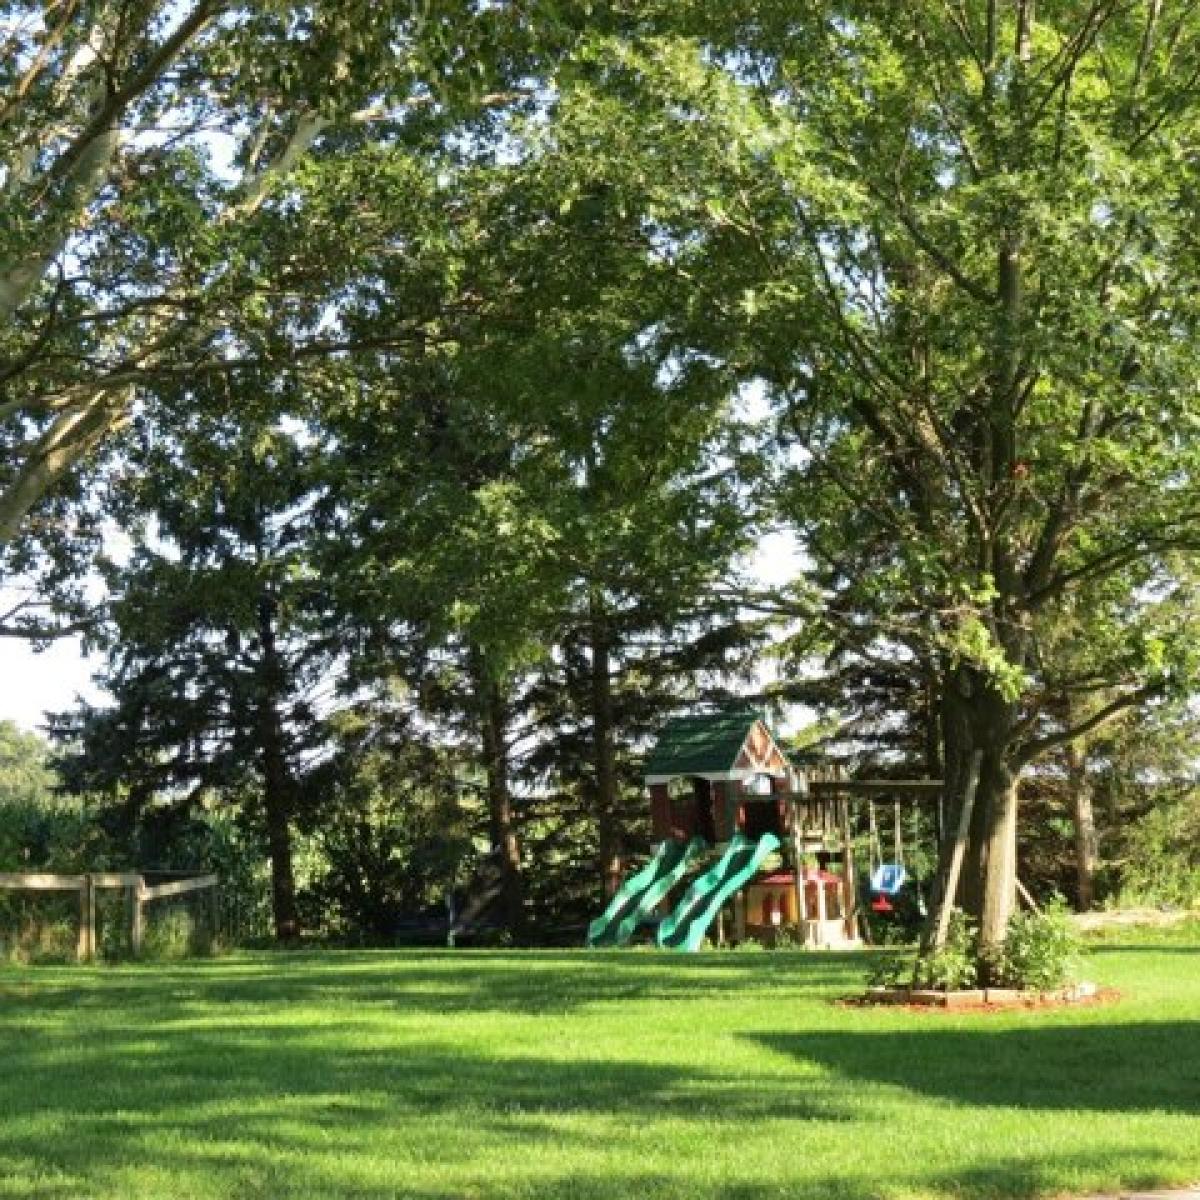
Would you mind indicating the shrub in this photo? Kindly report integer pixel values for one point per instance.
(1040, 949)
(952, 968)
(747, 946)
(176, 933)
(1162, 856)
(890, 972)
(39, 927)
(955, 965)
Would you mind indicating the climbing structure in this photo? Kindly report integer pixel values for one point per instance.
(775, 860)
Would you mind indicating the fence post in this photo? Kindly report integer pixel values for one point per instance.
(216, 911)
(137, 921)
(87, 919)
(81, 943)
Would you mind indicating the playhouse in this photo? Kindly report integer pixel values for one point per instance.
(746, 849)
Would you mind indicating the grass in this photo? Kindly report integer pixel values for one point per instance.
(585, 1076)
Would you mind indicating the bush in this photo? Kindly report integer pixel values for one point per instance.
(1039, 953)
(1162, 856)
(890, 972)
(38, 927)
(176, 933)
(953, 968)
(956, 965)
(1040, 950)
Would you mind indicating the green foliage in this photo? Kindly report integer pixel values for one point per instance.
(392, 840)
(748, 946)
(889, 971)
(26, 777)
(53, 835)
(111, 241)
(177, 931)
(1040, 951)
(38, 927)
(1162, 855)
(956, 965)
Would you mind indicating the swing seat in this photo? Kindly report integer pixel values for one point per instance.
(888, 879)
(881, 904)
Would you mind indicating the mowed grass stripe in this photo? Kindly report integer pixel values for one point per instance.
(586, 1076)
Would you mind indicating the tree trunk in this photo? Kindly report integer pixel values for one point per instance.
(977, 717)
(278, 783)
(604, 752)
(1084, 818)
(505, 844)
(998, 877)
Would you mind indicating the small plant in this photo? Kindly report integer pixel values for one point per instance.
(788, 939)
(748, 946)
(954, 966)
(1040, 949)
(890, 972)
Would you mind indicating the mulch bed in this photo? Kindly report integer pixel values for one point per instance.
(983, 1000)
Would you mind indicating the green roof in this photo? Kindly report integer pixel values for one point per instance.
(700, 744)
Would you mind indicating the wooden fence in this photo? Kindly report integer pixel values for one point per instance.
(137, 890)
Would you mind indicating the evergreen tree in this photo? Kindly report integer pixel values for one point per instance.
(217, 656)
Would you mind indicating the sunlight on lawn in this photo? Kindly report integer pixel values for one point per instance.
(590, 1076)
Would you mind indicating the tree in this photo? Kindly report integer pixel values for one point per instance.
(146, 145)
(962, 264)
(217, 659)
(393, 836)
(26, 776)
(558, 403)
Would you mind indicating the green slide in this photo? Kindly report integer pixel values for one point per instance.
(684, 929)
(634, 903)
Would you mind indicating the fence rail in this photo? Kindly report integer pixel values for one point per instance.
(87, 885)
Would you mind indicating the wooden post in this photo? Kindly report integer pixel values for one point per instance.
(81, 945)
(87, 920)
(939, 917)
(137, 924)
(798, 853)
(739, 917)
(215, 910)
(849, 882)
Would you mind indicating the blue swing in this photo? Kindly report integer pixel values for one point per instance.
(887, 879)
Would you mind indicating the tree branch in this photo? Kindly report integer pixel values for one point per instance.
(1103, 716)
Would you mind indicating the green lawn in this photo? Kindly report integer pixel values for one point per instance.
(585, 1076)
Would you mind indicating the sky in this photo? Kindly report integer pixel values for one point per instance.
(33, 683)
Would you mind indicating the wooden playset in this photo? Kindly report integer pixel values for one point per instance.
(720, 784)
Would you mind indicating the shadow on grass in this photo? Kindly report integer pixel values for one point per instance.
(260, 1111)
(243, 1065)
(480, 982)
(290, 1076)
(1132, 1067)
